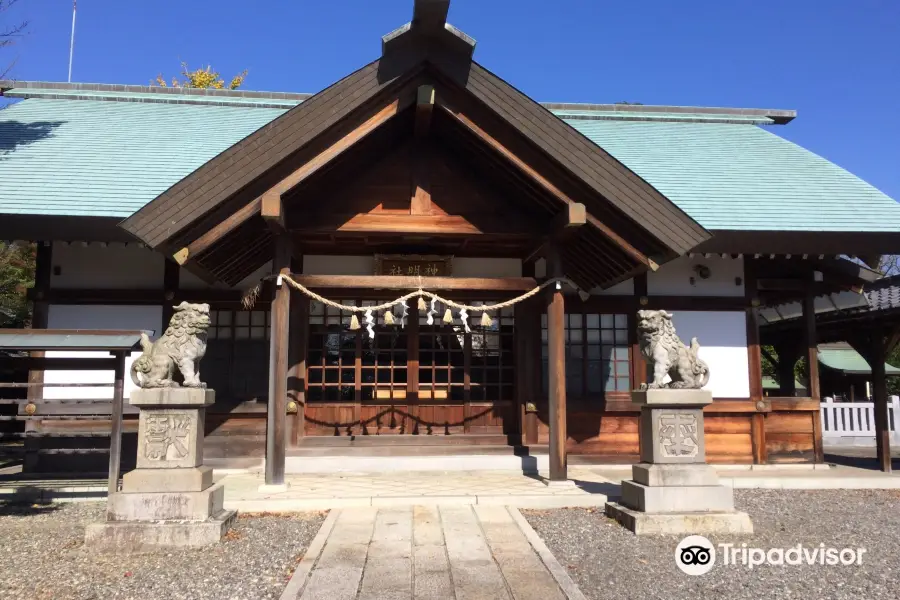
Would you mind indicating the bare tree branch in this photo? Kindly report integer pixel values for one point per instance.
(10, 34)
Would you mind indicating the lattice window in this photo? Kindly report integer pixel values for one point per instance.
(331, 358)
(441, 357)
(493, 364)
(597, 354)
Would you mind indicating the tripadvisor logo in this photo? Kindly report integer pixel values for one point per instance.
(696, 555)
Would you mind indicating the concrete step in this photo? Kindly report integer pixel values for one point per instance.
(369, 463)
(395, 440)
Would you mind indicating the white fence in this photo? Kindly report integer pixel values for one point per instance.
(853, 423)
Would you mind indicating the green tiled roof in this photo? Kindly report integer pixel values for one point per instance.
(844, 358)
(744, 177)
(83, 152)
(90, 158)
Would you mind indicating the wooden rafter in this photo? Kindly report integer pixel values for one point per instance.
(424, 109)
(544, 183)
(562, 228)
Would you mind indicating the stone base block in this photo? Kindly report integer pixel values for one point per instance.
(670, 397)
(668, 475)
(165, 506)
(195, 479)
(167, 397)
(680, 523)
(677, 499)
(146, 537)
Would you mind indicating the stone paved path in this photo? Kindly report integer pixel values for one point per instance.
(462, 552)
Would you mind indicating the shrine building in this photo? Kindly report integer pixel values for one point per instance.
(426, 170)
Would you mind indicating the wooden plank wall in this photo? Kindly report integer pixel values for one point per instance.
(612, 436)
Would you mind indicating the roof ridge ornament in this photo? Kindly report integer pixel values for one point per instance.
(429, 21)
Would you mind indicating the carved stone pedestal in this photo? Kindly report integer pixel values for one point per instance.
(673, 490)
(169, 499)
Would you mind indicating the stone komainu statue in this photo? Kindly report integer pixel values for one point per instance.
(182, 345)
(668, 355)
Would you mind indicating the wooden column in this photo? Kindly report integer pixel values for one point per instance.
(638, 364)
(115, 436)
(171, 283)
(276, 435)
(297, 348)
(810, 339)
(812, 360)
(754, 360)
(880, 396)
(556, 347)
(40, 316)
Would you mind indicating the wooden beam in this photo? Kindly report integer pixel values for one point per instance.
(400, 282)
(556, 360)
(424, 110)
(546, 185)
(436, 225)
(276, 417)
(272, 211)
(298, 176)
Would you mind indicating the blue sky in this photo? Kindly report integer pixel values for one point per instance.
(835, 61)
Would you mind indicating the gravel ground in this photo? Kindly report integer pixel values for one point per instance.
(607, 561)
(42, 555)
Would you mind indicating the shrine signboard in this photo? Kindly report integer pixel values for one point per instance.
(412, 265)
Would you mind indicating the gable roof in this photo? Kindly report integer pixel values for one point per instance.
(260, 160)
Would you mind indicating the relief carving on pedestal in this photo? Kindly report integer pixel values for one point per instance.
(167, 436)
(678, 435)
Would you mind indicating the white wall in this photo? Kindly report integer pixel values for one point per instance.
(674, 278)
(723, 346)
(112, 266)
(96, 317)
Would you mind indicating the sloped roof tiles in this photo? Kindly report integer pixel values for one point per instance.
(102, 154)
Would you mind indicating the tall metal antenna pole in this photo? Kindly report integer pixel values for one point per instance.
(72, 40)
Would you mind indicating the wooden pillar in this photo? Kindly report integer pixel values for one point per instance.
(880, 398)
(40, 316)
(171, 283)
(809, 336)
(115, 436)
(556, 347)
(638, 364)
(754, 360)
(812, 359)
(297, 349)
(276, 435)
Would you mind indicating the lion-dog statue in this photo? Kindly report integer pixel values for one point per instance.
(182, 345)
(661, 345)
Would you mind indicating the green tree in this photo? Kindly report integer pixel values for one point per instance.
(202, 78)
(17, 262)
(10, 33)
